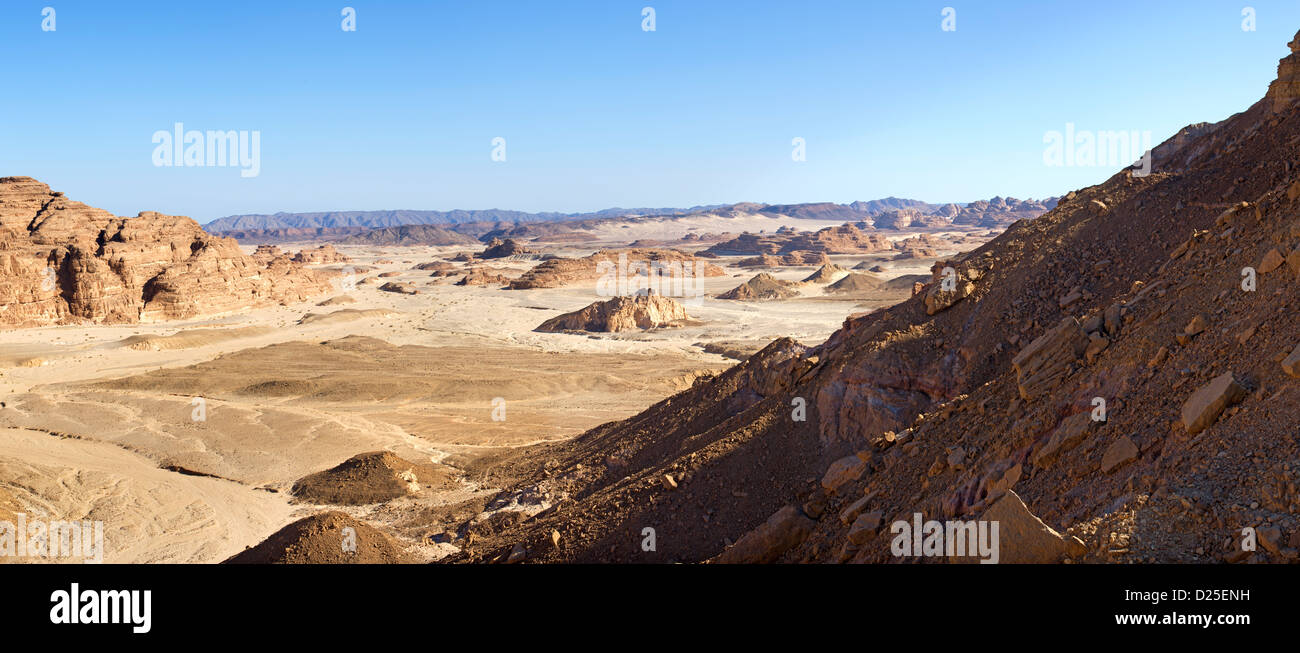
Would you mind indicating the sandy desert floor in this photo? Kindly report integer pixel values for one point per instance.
(185, 438)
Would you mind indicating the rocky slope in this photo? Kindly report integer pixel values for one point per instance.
(1115, 380)
(63, 262)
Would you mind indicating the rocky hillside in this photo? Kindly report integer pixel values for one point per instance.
(1115, 380)
(63, 262)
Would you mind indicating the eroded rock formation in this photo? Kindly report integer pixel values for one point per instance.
(63, 262)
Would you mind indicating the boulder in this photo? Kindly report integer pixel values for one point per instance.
(843, 471)
(1205, 405)
(1023, 538)
(784, 530)
(1118, 454)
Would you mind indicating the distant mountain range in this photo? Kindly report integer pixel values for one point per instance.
(448, 227)
(397, 218)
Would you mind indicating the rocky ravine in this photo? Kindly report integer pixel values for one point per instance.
(1166, 300)
(63, 262)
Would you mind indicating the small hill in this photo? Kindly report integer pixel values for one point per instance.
(825, 274)
(856, 282)
(761, 286)
(373, 477)
(321, 539)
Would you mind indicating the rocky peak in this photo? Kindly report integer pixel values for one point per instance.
(1286, 88)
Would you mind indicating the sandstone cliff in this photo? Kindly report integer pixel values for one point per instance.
(63, 262)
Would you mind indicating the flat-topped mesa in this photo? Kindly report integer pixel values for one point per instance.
(1286, 88)
(63, 262)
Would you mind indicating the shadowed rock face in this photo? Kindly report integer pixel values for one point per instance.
(64, 262)
(620, 314)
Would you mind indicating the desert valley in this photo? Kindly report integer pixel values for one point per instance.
(197, 395)
(1111, 375)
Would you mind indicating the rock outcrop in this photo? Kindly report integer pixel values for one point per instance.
(503, 249)
(320, 255)
(481, 276)
(1285, 90)
(604, 266)
(62, 262)
(620, 314)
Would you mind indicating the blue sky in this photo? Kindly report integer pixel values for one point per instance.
(597, 112)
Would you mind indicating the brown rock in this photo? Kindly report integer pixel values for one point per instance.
(784, 530)
(937, 299)
(1119, 453)
(1023, 538)
(1042, 364)
(1291, 364)
(854, 509)
(1271, 539)
(1205, 405)
(1272, 261)
(845, 470)
(865, 526)
(1067, 436)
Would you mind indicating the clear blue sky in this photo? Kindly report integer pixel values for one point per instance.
(598, 113)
